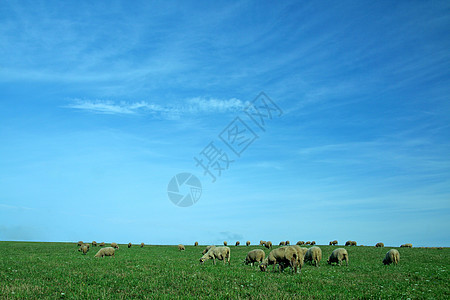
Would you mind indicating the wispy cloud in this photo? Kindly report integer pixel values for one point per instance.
(191, 106)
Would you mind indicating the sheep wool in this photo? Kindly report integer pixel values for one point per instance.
(107, 251)
(337, 256)
(392, 257)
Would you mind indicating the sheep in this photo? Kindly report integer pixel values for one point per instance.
(108, 251)
(300, 243)
(283, 256)
(83, 249)
(114, 245)
(288, 243)
(378, 245)
(253, 256)
(333, 243)
(392, 256)
(142, 245)
(262, 243)
(308, 243)
(268, 244)
(354, 243)
(301, 254)
(80, 243)
(348, 243)
(248, 243)
(238, 243)
(225, 243)
(313, 243)
(207, 249)
(406, 245)
(102, 244)
(282, 243)
(220, 253)
(87, 245)
(181, 247)
(129, 245)
(338, 255)
(94, 244)
(314, 255)
(196, 244)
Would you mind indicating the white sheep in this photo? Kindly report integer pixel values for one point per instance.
(83, 249)
(196, 244)
(283, 256)
(238, 243)
(253, 256)
(107, 251)
(337, 256)
(379, 245)
(313, 255)
(142, 245)
(181, 247)
(220, 253)
(248, 243)
(392, 256)
(268, 244)
(406, 245)
(114, 245)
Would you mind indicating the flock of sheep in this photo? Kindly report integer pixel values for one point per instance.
(284, 256)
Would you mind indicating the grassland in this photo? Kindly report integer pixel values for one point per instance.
(58, 271)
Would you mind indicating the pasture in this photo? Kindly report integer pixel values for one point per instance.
(59, 271)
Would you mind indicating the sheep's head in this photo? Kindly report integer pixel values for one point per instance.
(202, 260)
(263, 267)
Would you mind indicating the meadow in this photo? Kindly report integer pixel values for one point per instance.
(58, 271)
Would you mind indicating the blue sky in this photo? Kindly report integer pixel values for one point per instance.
(101, 104)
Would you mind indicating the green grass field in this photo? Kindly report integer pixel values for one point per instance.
(58, 270)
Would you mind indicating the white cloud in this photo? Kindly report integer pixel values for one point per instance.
(173, 111)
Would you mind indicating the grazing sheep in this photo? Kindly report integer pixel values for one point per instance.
(225, 243)
(314, 255)
(142, 245)
(300, 243)
(262, 243)
(282, 243)
(108, 251)
(238, 243)
(248, 243)
(378, 245)
(283, 256)
(181, 247)
(333, 243)
(354, 243)
(301, 254)
(87, 245)
(83, 249)
(196, 244)
(308, 243)
(406, 245)
(348, 243)
(313, 243)
(114, 245)
(129, 245)
(392, 256)
(207, 249)
(337, 256)
(102, 244)
(253, 256)
(220, 253)
(268, 244)
(94, 244)
(80, 243)
(288, 243)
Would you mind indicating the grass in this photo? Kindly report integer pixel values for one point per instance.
(59, 271)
